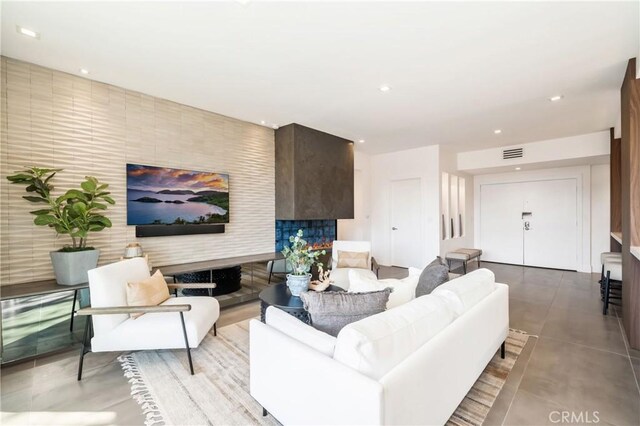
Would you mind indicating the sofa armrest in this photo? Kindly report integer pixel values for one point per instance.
(281, 366)
(375, 267)
(112, 310)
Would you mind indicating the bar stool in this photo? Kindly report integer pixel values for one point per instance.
(603, 257)
(612, 282)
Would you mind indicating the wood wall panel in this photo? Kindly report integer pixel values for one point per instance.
(50, 118)
(630, 175)
(615, 187)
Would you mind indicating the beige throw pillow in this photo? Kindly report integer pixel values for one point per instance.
(150, 292)
(353, 259)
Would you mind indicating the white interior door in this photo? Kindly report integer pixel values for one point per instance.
(530, 223)
(550, 231)
(406, 228)
(501, 235)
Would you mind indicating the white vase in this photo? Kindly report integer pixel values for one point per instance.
(298, 283)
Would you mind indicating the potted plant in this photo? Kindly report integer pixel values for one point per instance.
(76, 213)
(301, 258)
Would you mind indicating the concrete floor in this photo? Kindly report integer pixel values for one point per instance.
(579, 365)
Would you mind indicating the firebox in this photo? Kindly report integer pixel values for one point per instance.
(320, 234)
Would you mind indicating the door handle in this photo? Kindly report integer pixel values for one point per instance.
(393, 228)
(527, 226)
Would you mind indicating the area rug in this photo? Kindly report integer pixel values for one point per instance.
(218, 394)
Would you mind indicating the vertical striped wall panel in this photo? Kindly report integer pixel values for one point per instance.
(51, 118)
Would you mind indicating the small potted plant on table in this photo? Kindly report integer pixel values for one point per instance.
(301, 258)
(76, 213)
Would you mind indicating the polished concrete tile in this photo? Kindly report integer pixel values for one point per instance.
(530, 410)
(525, 316)
(593, 330)
(532, 293)
(581, 378)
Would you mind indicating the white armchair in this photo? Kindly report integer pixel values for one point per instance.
(340, 276)
(178, 322)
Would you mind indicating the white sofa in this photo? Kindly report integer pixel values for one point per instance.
(412, 364)
(340, 276)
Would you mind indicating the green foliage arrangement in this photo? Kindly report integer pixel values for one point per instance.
(300, 256)
(76, 213)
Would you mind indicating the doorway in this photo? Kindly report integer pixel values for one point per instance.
(406, 223)
(530, 223)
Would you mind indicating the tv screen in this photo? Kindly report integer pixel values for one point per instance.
(164, 196)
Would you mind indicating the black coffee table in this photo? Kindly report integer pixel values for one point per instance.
(279, 296)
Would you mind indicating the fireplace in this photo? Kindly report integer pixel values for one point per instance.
(320, 234)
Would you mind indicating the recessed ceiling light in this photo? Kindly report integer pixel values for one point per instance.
(275, 126)
(556, 98)
(27, 32)
(384, 88)
(84, 71)
(361, 141)
(263, 122)
(517, 168)
(497, 131)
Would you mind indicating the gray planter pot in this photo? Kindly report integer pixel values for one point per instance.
(71, 268)
(298, 283)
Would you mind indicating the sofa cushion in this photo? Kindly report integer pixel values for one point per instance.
(466, 291)
(435, 274)
(375, 345)
(293, 327)
(162, 330)
(340, 276)
(353, 259)
(330, 311)
(151, 291)
(403, 290)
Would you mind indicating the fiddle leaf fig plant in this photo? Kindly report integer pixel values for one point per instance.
(76, 213)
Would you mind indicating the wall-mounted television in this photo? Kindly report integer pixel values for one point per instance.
(166, 196)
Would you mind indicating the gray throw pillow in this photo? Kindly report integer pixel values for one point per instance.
(329, 311)
(436, 273)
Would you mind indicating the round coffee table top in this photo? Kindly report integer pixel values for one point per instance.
(279, 296)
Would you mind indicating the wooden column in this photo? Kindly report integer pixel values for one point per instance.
(615, 190)
(630, 178)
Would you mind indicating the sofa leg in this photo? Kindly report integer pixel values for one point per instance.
(265, 413)
(502, 350)
(464, 266)
(215, 329)
(186, 342)
(84, 350)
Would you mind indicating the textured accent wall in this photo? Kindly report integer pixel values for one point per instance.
(51, 118)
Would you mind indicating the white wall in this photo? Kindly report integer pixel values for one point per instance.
(600, 213)
(359, 228)
(571, 148)
(448, 164)
(583, 176)
(421, 163)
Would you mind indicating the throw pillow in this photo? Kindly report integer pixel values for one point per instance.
(331, 310)
(353, 259)
(404, 289)
(150, 292)
(432, 276)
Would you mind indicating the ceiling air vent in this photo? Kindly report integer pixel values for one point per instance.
(508, 154)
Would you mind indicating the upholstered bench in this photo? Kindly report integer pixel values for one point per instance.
(464, 255)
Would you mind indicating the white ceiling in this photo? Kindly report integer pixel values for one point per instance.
(457, 70)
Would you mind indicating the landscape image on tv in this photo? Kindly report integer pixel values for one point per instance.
(164, 196)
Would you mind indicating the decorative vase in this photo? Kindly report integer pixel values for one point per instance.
(71, 268)
(298, 283)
